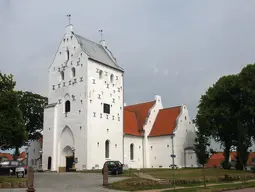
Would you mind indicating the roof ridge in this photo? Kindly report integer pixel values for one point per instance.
(140, 103)
(171, 107)
(88, 39)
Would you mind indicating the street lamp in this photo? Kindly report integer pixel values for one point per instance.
(26, 151)
(73, 150)
(40, 164)
(173, 156)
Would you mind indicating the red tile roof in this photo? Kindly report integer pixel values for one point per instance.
(250, 158)
(7, 155)
(141, 111)
(215, 160)
(165, 121)
(22, 155)
(131, 124)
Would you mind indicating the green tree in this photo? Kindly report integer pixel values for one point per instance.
(201, 148)
(32, 106)
(12, 130)
(216, 113)
(245, 115)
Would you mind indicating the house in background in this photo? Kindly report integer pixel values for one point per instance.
(5, 156)
(34, 152)
(216, 159)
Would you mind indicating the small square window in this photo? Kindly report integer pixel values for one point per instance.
(106, 108)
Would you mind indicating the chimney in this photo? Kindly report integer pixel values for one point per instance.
(125, 104)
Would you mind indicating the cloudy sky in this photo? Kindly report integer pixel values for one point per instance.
(174, 48)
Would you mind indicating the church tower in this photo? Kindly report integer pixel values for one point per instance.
(83, 123)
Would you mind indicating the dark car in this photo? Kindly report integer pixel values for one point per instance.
(9, 168)
(114, 167)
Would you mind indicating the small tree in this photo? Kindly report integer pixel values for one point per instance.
(201, 148)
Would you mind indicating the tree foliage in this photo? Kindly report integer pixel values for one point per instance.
(201, 148)
(12, 129)
(32, 106)
(226, 113)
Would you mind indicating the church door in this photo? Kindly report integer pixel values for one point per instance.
(69, 163)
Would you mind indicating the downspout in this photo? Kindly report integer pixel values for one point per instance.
(143, 151)
(123, 95)
(173, 148)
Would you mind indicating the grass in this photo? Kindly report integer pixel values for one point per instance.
(215, 188)
(134, 183)
(187, 173)
(11, 179)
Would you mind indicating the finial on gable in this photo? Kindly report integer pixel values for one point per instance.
(102, 41)
(69, 19)
(69, 27)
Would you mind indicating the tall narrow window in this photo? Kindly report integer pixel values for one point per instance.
(67, 54)
(62, 75)
(67, 106)
(111, 77)
(107, 149)
(73, 72)
(100, 74)
(131, 151)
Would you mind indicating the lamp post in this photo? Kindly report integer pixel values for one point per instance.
(73, 150)
(26, 150)
(40, 164)
(173, 156)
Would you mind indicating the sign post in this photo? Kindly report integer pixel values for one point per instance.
(30, 180)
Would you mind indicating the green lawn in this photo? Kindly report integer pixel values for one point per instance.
(191, 173)
(215, 188)
(134, 183)
(13, 179)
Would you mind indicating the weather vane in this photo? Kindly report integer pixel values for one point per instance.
(101, 33)
(69, 18)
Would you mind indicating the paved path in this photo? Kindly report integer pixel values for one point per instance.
(71, 182)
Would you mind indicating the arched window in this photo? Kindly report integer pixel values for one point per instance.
(67, 106)
(73, 72)
(62, 75)
(131, 151)
(49, 163)
(100, 74)
(112, 77)
(107, 149)
(67, 54)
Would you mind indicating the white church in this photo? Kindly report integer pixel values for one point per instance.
(86, 122)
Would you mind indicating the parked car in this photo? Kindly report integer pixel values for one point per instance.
(114, 167)
(13, 168)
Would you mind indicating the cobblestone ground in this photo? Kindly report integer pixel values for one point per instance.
(71, 182)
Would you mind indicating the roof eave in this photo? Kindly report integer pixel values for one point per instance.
(162, 135)
(128, 134)
(116, 68)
